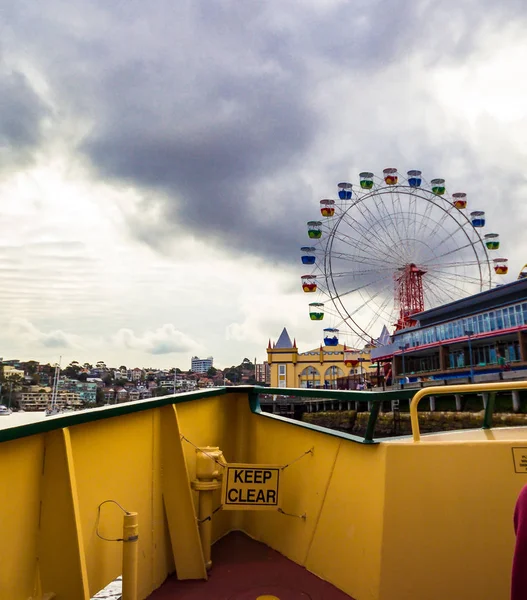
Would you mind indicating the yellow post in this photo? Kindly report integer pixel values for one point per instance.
(130, 548)
(209, 472)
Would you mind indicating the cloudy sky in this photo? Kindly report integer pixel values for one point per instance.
(159, 161)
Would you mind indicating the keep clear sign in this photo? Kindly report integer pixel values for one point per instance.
(251, 487)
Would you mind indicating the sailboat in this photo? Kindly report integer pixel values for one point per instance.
(53, 409)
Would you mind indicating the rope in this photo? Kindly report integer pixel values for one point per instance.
(205, 453)
(209, 518)
(310, 451)
(99, 517)
(303, 517)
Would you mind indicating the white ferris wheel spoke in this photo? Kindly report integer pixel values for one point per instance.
(369, 244)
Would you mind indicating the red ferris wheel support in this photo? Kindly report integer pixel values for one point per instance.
(409, 296)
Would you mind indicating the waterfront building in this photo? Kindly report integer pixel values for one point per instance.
(324, 367)
(482, 334)
(40, 400)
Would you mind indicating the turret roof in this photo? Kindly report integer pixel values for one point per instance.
(284, 341)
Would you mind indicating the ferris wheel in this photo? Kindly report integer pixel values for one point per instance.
(392, 247)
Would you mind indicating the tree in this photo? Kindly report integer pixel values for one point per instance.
(31, 367)
(232, 374)
(82, 376)
(13, 384)
(123, 368)
(72, 370)
(99, 397)
(107, 380)
(211, 372)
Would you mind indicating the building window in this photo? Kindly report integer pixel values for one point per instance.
(457, 359)
(492, 317)
(494, 320)
(282, 379)
(309, 378)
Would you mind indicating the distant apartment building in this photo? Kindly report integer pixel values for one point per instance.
(263, 373)
(109, 395)
(137, 374)
(87, 391)
(14, 362)
(34, 400)
(41, 400)
(201, 365)
(10, 371)
(140, 393)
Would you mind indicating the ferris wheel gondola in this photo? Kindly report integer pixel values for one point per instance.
(395, 246)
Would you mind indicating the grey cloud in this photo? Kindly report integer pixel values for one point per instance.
(22, 113)
(209, 108)
(164, 340)
(225, 129)
(168, 348)
(26, 330)
(56, 340)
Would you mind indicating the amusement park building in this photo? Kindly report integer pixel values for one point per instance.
(480, 334)
(323, 367)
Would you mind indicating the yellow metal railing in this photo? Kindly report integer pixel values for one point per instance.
(457, 389)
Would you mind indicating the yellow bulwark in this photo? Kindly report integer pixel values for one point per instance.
(389, 520)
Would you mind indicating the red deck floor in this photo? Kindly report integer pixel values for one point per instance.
(243, 569)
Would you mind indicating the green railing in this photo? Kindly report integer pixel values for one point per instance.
(254, 392)
(376, 398)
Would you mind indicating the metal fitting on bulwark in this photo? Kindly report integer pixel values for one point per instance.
(209, 461)
(209, 473)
